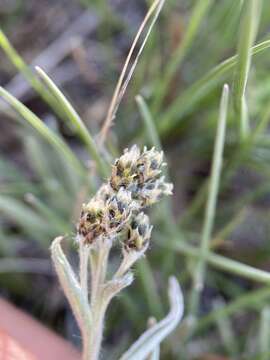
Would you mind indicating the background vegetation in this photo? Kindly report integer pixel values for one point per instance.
(215, 230)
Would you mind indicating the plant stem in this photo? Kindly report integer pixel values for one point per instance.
(93, 349)
(84, 258)
(222, 263)
(199, 275)
(99, 260)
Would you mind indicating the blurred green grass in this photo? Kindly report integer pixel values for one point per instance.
(194, 49)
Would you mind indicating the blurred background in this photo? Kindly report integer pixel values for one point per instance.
(188, 57)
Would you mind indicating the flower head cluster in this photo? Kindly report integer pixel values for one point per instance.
(136, 181)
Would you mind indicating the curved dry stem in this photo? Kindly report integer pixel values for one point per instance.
(120, 90)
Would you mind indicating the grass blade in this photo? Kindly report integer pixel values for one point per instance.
(264, 334)
(148, 120)
(150, 288)
(48, 214)
(226, 332)
(22, 67)
(199, 273)
(200, 9)
(186, 101)
(43, 130)
(76, 121)
(252, 300)
(220, 262)
(248, 28)
(122, 82)
(26, 218)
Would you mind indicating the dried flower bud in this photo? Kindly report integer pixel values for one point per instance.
(91, 221)
(153, 191)
(138, 233)
(141, 175)
(149, 165)
(104, 193)
(136, 182)
(118, 209)
(123, 171)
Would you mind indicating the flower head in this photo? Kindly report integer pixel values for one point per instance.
(138, 233)
(118, 209)
(140, 173)
(136, 182)
(123, 170)
(91, 225)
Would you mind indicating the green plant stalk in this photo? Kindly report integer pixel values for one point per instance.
(237, 157)
(165, 208)
(76, 121)
(251, 300)
(187, 100)
(264, 334)
(51, 216)
(150, 289)
(98, 262)
(248, 28)
(43, 130)
(221, 262)
(226, 333)
(199, 274)
(28, 220)
(198, 14)
(227, 229)
(149, 124)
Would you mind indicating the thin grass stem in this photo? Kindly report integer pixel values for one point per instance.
(24, 69)
(76, 122)
(198, 14)
(122, 82)
(187, 100)
(220, 262)
(199, 274)
(264, 335)
(248, 28)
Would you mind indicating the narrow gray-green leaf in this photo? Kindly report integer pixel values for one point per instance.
(149, 340)
(70, 286)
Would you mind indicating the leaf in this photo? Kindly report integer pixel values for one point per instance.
(70, 286)
(186, 101)
(76, 121)
(211, 204)
(248, 28)
(26, 71)
(43, 130)
(25, 217)
(151, 338)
